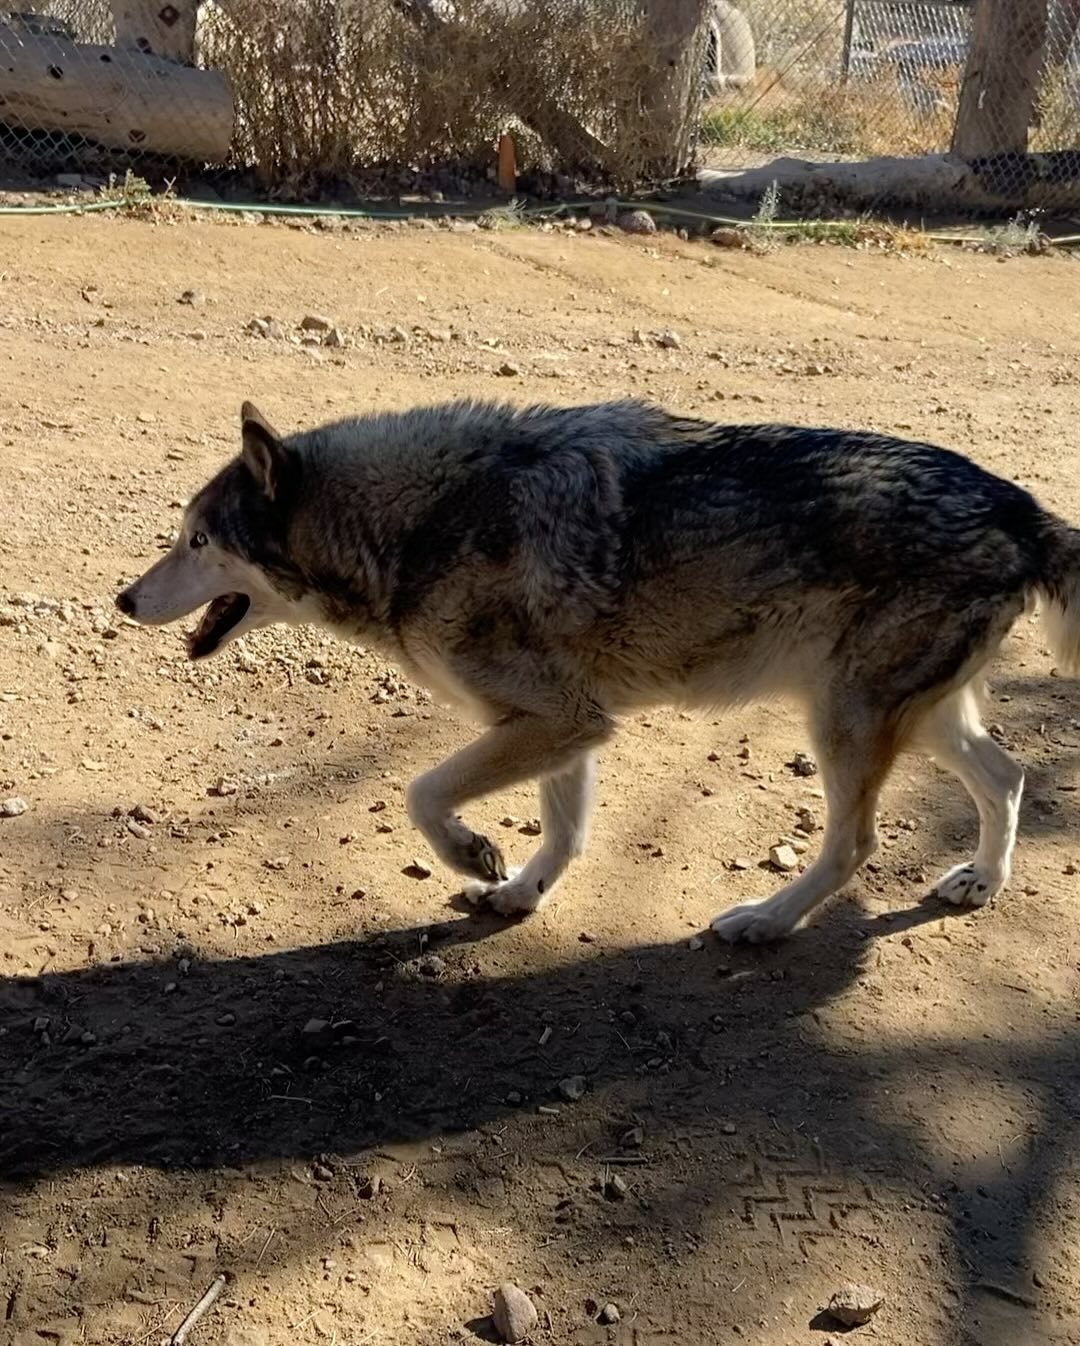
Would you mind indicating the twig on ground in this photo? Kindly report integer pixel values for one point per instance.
(200, 1310)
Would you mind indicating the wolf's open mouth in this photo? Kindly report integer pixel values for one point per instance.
(218, 620)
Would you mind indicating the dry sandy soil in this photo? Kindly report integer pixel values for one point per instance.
(892, 1096)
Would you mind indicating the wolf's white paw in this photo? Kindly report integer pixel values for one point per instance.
(967, 886)
(754, 922)
(507, 898)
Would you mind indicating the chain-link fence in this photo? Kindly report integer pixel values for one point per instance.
(310, 93)
(854, 79)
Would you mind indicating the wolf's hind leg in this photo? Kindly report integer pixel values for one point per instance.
(954, 736)
(565, 806)
(521, 748)
(855, 750)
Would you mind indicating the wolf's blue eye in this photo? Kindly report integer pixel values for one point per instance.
(199, 539)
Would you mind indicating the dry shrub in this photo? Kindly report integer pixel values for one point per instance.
(331, 88)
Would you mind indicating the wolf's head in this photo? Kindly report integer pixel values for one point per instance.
(231, 548)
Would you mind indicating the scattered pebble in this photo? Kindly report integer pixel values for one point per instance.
(669, 341)
(416, 869)
(808, 820)
(513, 1313)
(192, 298)
(508, 370)
(633, 1139)
(615, 1189)
(313, 1027)
(741, 862)
(13, 808)
(609, 1314)
(783, 858)
(315, 322)
(695, 943)
(321, 1173)
(728, 238)
(573, 1087)
(854, 1305)
(636, 222)
(803, 764)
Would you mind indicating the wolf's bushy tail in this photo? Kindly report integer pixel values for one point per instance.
(1059, 589)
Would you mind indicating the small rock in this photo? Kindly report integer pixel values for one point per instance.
(669, 341)
(416, 869)
(314, 322)
(226, 1020)
(636, 222)
(854, 1305)
(508, 370)
(633, 1139)
(727, 238)
(224, 787)
(313, 1027)
(802, 764)
(609, 1314)
(258, 327)
(41, 1024)
(13, 808)
(142, 814)
(431, 965)
(573, 1087)
(695, 943)
(741, 862)
(192, 298)
(321, 1173)
(783, 858)
(615, 1189)
(334, 338)
(139, 830)
(532, 828)
(370, 1188)
(278, 862)
(513, 1313)
(808, 820)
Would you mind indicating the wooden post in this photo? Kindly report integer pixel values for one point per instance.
(1000, 90)
(158, 27)
(120, 99)
(677, 29)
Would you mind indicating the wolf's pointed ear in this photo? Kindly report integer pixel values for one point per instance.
(265, 455)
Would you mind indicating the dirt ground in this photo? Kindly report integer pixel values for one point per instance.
(241, 1034)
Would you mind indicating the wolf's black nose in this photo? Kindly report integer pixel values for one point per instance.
(125, 603)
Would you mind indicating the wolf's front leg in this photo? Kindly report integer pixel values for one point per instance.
(565, 806)
(519, 749)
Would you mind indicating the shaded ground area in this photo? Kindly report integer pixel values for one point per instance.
(237, 1036)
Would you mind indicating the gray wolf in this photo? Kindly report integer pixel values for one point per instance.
(552, 569)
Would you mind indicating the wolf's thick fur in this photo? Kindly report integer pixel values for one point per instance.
(555, 568)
